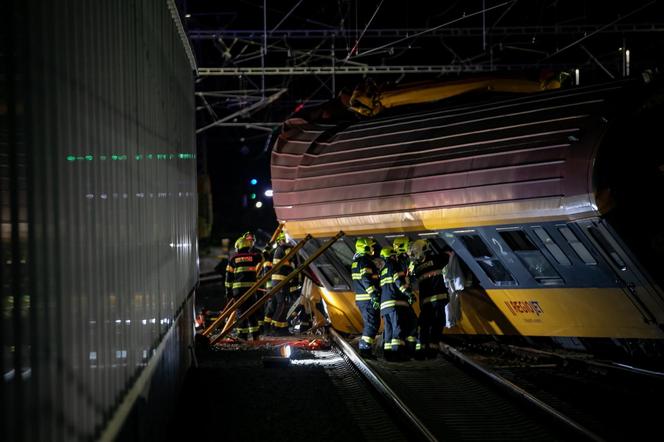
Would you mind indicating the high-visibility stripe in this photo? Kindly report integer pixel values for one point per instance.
(366, 270)
(237, 285)
(392, 303)
(434, 298)
(363, 297)
(277, 261)
(411, 339)
(245, 269)
(279, 324)
(253, 329)
(294, 289)
(357, 276)
(267, 320)
(403, 288)
(386, 280)
(387, 346)
(368, 339)
(371, 289)
(278, 277)
(397, 342)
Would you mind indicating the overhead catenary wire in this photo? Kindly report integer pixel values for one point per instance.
(371, 51)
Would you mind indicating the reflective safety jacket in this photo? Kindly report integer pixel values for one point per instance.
(404, 264)
(429, 276)
(365, 278)
(241, 271)
(393, 285)
(263, 268)
(284, 270)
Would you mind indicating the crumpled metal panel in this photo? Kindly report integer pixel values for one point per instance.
(99, 214)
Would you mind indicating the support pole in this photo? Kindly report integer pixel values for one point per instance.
(279, 286)
(256, 286)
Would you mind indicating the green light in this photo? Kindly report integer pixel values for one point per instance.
(252, 196)
(137, 157)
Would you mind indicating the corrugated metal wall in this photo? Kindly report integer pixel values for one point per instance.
(98, 233)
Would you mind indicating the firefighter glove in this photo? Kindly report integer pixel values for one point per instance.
(375, 303)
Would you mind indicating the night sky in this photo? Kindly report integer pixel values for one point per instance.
(232, 163)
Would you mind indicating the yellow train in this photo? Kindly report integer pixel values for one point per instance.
(551, 200)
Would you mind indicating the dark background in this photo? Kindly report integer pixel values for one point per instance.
(516, 38)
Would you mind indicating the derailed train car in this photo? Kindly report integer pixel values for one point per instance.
(550, 199)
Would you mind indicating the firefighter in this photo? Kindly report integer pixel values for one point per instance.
(400, 246)
(265, 267)
(427, 268)
(282, 298)
(367, 292)
(395, 301)
(240, 276)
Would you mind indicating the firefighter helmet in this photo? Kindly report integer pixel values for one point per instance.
(386, 252)
(249, 236)
(418, 249)
(364, 245)
(400, 244)
(243, 243)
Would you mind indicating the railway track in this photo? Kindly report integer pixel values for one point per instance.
(611, 399)
(457, 399)
(465, 394)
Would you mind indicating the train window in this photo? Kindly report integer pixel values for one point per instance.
(577, 246)
(344, 252)
(551, 246)
(328, 264)
(604, 244)
(487, 260)
(531, 257)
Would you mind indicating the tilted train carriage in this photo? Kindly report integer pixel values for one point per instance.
(550, 199)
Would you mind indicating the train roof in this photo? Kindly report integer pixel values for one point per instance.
(496, 161)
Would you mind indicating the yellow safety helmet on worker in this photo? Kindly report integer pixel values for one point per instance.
(245, 241)
(364, 245)
(400, 244)
(386, 252)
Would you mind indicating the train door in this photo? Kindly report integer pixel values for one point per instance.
(645, 296)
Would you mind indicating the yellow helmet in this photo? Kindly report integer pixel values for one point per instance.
(243, 243)
(364, 245)
(400, 244)
(249, 236)
(386, 252)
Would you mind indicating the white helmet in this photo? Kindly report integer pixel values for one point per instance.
(418, 248)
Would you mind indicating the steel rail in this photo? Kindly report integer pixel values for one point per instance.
(382, 388)
(515, 389)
